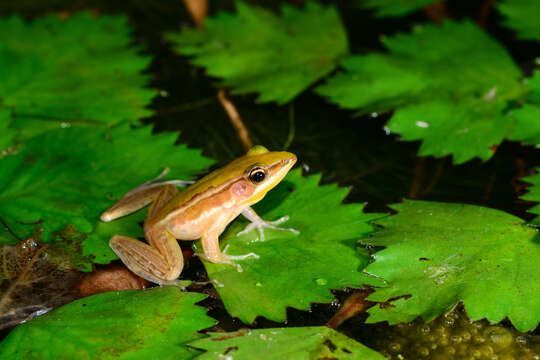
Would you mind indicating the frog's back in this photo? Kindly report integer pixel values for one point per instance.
(216, 183)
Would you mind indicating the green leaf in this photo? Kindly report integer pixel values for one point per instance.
(449, 84)
(146, 324)
(294, 270)
(522, 16)
(98, 243)
(395, 8)
(6, 133)
(257, 51)
(439, 254)
(70, 176)
(315, 342)
(527, 124)
(76, 72)
(533, 194)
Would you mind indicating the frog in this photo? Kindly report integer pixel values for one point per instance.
(202, 210)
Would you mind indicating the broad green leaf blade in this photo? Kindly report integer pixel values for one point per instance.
(69, 176)
(533, 194)
(315, 342)
(439, 254)
(527, 126)
(79, 71)
(395, 8)
(522, 16)
(527, 118)
(98, 243)
(154, 323)
(6, 133)
(450, 86)
(294, 270)
(257, 51)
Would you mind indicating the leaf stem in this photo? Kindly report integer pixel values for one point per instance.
(484, 13)
(436, 12)
(292, 127)
(236, 120)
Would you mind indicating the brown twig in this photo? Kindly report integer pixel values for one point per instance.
(355, 304)
(198, 9)
(235, 119)
(419, 174)
(485, 10)
(436, 12)
(434, 179)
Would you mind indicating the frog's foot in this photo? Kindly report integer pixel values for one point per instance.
(156, 182)
(229, 259)
(260, 224)
(175, 282)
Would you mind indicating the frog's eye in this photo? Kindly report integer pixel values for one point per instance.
(257, 175)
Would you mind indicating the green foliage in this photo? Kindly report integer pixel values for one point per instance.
(76, 72)
(522, 16)
(146, 324)
(316, 342)
(257, 51)
(533, 194)
(449, 84)
(305, 266)
(70, 176)
(527, 124)
(438, 254)
(391, 8)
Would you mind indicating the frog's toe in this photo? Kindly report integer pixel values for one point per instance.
(261, 225)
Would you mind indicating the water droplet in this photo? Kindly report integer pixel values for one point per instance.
(422, 124)
(321, 281)
(258, 284)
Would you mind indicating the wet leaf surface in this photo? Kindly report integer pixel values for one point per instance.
(522, 16)
(438, 254)
(79, 71)
(145, 324)
(450, 86)
(283, 343)
(257, 51)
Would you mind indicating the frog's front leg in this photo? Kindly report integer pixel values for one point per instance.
(212, 252)
(260, 224)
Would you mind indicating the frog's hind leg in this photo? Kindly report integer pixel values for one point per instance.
(161, 261)
(139, 197)
(145, 260)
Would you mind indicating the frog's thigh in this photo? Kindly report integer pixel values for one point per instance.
(161, 261)
(162, 198)
(146, 261)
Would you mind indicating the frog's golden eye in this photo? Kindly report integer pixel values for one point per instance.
(257, 175)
